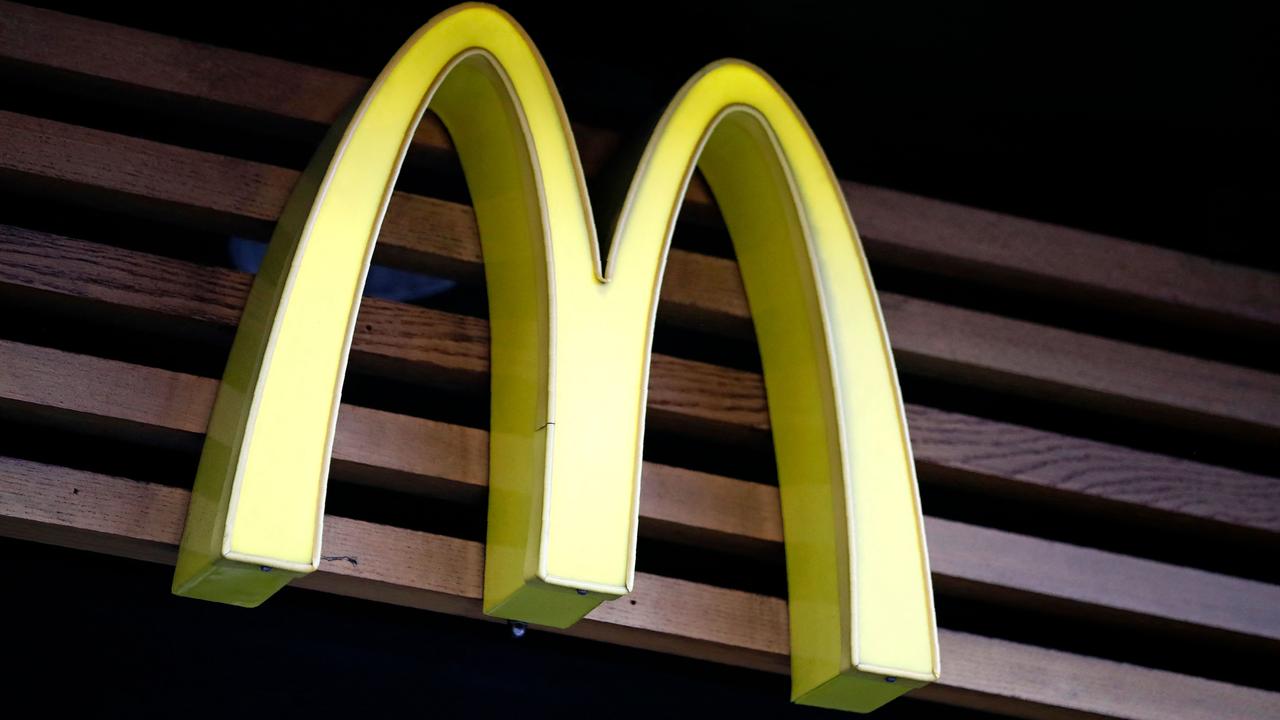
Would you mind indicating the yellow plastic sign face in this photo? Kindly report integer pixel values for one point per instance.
(570, 356)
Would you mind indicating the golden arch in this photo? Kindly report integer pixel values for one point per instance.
(570, 356)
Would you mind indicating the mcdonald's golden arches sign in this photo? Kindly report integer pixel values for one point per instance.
(571, 333)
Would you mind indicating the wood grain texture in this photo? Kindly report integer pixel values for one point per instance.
(415, 342)
(898, 228)
(393, 338)
(985, 453)
(442, 460)
(78, 509)
(928, 338)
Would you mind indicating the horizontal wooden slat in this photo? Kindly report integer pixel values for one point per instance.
(987, 454)
(439, 459)
(898, 228)
(980, 451)
(107, 514)
(928, 338)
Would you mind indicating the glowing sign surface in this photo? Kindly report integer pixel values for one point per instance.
(571, 336)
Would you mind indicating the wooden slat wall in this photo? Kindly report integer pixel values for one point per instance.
(167, 290)
(953, 343)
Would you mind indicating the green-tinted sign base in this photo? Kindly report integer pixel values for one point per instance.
(859, 692)
(542, 603)
(235, 583)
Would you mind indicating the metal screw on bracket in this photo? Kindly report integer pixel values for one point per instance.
(264, 568)
(517, 628)
(891, 679)
(582, 592)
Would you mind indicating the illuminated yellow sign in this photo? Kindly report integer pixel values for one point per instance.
(571, 337)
